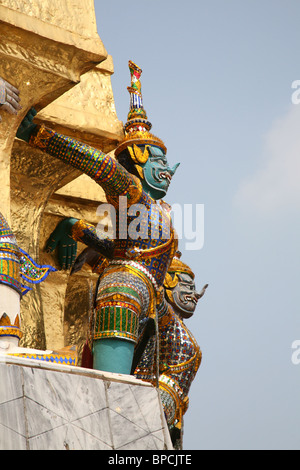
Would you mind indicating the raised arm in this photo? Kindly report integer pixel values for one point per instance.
(105, 170)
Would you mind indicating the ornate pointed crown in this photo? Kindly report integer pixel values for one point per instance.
(177, 266)
(7, 238)
(7, 328)
(137, 126)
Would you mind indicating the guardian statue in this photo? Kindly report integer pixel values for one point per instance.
(134, 183)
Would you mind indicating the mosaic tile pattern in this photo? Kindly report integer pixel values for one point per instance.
(51, 407)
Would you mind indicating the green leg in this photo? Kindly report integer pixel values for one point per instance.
(113, 355)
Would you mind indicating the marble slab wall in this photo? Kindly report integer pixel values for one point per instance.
(52, 407)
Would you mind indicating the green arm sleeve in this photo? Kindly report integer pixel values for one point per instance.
(105, 170)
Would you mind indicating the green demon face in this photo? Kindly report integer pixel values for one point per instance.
(157, 173)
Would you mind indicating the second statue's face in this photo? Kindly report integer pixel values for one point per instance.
(185, 296)
(157, 173)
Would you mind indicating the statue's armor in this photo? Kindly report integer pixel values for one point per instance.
(124, 296)
(10, 285)
(179, 360)
(9, 257)
(139, 259)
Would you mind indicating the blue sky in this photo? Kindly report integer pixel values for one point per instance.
(217, 87)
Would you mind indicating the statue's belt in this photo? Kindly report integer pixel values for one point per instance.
(139, 254)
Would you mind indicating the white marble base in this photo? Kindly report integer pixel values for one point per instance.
(53, 407)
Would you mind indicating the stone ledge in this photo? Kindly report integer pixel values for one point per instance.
(52, 407)
(80, 371)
